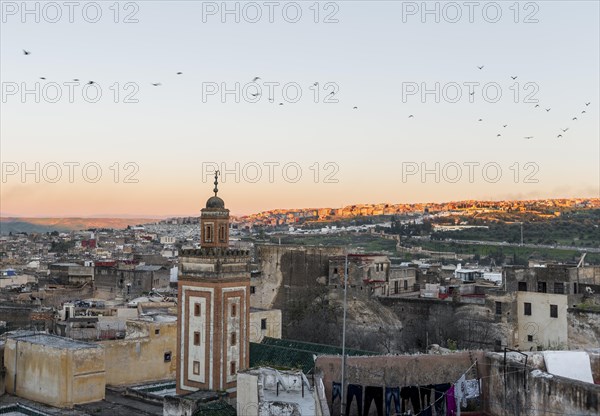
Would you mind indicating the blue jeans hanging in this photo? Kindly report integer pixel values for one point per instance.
(392, 393)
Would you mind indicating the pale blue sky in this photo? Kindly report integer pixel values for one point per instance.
(369, 54)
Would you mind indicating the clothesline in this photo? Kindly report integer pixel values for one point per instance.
(444, 394)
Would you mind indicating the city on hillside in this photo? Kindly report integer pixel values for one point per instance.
(299, 208)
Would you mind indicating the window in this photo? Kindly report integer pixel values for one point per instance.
(527, 306)
(222, 234)
(529, 338)
(196, 338)
(197, 309)
(498, 308)
(167, 356)
(541, 287)
(196, 367)
(406, 285)
(522, 287)
(233, 338)
(233, 310)
(553, 311)
(207, 233)
(559, 288)
(232, 368)
(157, 332)
(263, 323)
(396, 286)
(252, 290)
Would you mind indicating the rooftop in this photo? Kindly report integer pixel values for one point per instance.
(54, 341)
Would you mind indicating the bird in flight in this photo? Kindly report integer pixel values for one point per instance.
(505, 125)
(536, 106)
(280, 103)
(271, 99)
(179, 73)
(480, 119)
(515, 77)
(498, 135)
(43, 78)
(156, 84)
(75, 79)
(411, 116)
(480, 67)
(315, 84)
(586, 104)
(91, 82)
(26, 52)
(565, 130)
(548, 109)
(355, 108)
(583, 112)
(255, 79)
(574, 118)
(528, 137)
(256, 94)
(559, 136)
(472, 93)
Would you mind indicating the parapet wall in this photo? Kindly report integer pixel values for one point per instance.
(514, 390)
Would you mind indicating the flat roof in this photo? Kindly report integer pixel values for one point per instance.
(54, 341)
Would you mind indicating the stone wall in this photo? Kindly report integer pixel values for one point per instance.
(289, 273)
(426, 321)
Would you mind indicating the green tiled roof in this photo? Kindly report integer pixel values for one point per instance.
(215, 408)
(285, 353)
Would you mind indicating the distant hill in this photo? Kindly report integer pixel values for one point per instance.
(43, 225)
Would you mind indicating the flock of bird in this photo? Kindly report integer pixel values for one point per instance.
(514, 77)
(316, 84)
(158, 84)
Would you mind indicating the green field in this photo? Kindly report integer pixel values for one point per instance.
(355, 241)
(520, 255)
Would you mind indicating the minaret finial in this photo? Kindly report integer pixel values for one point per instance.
(216, 183)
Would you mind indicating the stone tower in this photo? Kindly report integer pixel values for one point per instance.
(213, 307)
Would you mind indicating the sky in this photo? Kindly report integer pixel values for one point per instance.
(428, 123)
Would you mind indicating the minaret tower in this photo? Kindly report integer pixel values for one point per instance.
(213, 306)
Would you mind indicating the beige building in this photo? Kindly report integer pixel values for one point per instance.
(264, 323)
(541, 321)
(53, 370)
(400, 280)
(148, 352)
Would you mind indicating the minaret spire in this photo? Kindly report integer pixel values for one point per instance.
(216, 190)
